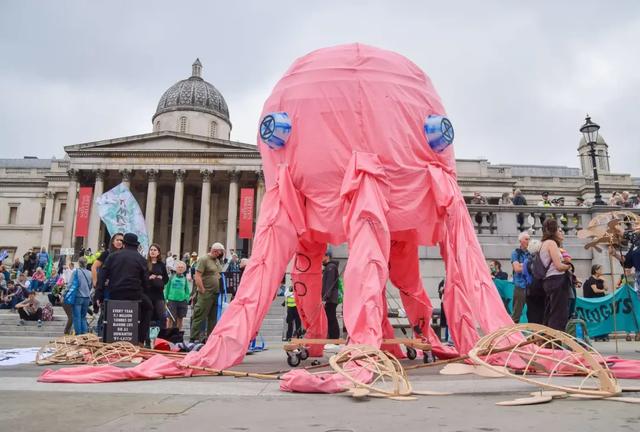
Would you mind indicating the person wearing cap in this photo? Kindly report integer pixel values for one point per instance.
(580, 202)
(545, 200)
(207, 282)
(128, 277)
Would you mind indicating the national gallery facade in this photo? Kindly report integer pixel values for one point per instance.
(187, 175)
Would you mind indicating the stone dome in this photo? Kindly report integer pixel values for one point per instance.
(193, 94)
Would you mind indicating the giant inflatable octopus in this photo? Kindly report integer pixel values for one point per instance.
(356, 148)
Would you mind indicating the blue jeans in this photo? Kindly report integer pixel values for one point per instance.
(80, 309)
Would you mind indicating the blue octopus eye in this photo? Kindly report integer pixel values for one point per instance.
(439, 131)
(275, 129)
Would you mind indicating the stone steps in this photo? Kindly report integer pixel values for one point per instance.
(271, 329)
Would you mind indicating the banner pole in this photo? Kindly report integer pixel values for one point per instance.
(613, 301)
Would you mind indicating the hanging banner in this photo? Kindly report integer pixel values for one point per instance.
(597, 313)
(245, 227)
(121, 213)
(84, 209)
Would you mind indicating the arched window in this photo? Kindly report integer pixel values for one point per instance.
(157, 125)
(213, 129)
(182, 124)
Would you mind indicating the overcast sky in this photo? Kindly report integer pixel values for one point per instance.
(516, 77)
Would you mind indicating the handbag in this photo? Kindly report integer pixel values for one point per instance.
(70, 295)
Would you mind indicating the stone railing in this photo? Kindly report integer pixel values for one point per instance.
(511, 220)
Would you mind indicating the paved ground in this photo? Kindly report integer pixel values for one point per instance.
(228, 404)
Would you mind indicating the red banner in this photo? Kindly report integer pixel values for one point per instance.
(84, 209)
(245, 227)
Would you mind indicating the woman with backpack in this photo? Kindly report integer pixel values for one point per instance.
(556, 283)
(78, 295)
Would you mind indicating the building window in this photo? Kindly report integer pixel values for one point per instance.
(158, 125)
(182, 124)
(213, 129)
(63, 209)
(13, 214)
(42, 211)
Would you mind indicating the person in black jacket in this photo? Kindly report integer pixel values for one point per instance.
(128, 278)
(330, 276)
(158, 278)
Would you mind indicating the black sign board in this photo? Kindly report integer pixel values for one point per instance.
(122, 321)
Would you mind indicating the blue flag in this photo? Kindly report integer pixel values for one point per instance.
(121, 213)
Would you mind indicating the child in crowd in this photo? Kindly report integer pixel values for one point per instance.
(30, 310)
(176, 293)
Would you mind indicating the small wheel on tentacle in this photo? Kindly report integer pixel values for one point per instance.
(411, 353)
(293, 360)
(304, 353)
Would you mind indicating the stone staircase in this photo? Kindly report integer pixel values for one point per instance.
(271, 330)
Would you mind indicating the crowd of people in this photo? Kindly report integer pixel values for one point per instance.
(545, 279)
(516, 197)
(165, 289)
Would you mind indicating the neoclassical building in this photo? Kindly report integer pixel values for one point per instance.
(186, 175)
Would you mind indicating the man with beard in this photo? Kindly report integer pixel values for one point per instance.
(207, 281)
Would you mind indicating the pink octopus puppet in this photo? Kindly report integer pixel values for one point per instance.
(356, 147)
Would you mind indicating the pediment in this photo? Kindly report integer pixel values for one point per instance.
(162, 142)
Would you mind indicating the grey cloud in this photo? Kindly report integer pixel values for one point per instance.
(516, 78)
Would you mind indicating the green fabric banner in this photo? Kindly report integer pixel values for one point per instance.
(505, 289)
(596, 312)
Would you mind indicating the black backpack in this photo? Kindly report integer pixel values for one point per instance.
(538, 271)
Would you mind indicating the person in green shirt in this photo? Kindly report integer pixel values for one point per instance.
(207, 281)
(176, 293)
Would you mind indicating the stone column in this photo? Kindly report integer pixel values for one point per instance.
(260, 189)
(94, 218)
(164, 221)
(205, 203)
(213, 218)
(126, 177)
(72, 190)
(232, 214)
(176, 226)
(48, 219)
(187, 244)
(150, 211)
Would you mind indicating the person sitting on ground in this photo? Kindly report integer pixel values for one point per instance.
(176, 293)
(51, 281)
(496, 270)
(30, 310)
(37, 280)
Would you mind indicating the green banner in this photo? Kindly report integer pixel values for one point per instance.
(505, 289)
(596, 312)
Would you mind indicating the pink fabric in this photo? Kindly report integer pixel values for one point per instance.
(357, 168)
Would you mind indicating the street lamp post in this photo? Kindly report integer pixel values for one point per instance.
(590, 131)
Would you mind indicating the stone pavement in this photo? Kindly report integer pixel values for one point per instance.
(231, 404)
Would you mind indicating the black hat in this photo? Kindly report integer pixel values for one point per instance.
(545, 193)
(580, 199)
(130, 239)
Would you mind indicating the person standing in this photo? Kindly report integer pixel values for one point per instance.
(330, 276)
(158, 277)
(556, 282)
(176, 292)
(594, 286)
(518, 258)
(293, 317)
(496, 270)
(81, 285)
(128, 277)
(207, 282)
(42, 258)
